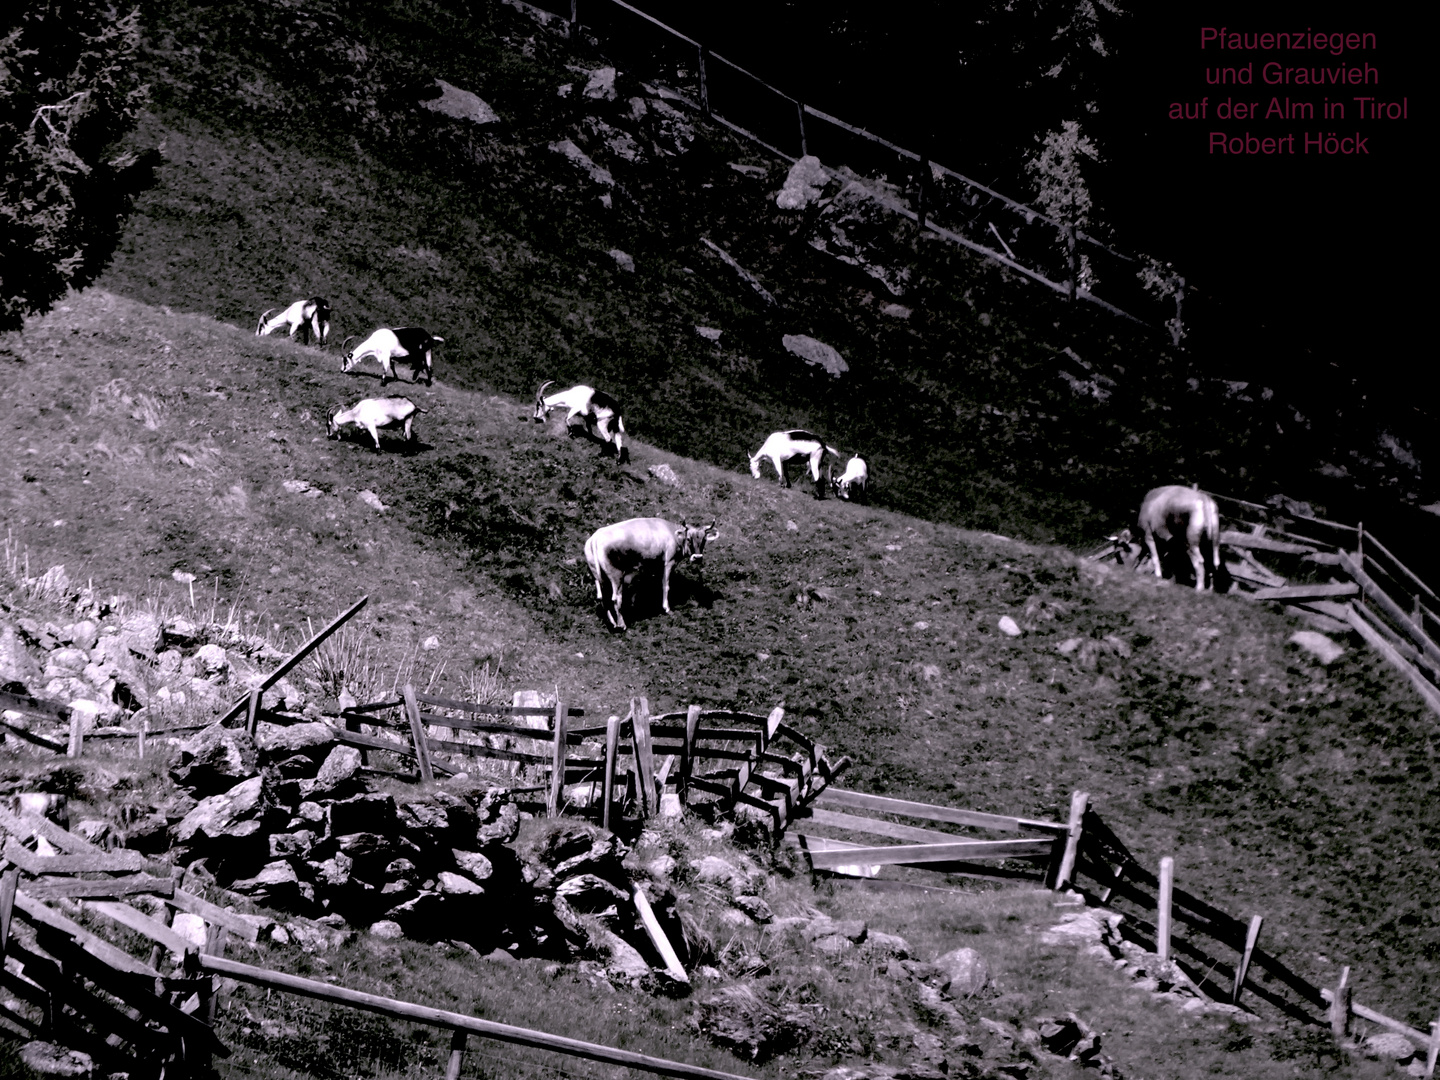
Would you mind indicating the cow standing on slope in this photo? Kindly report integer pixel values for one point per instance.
(619, 552)
(1172, 512)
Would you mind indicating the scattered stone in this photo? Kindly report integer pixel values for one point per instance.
(600, 86)
(215, 816)
(49, 1059)
(597, 174)
(66, 663)
(460, 104)
(314, 740)
(665, 474)
(16, 664)
(190, 927)
(661, 867)
(369, 498)
(1008, 626)
(387, 930)
(141, 633)
(803, 184)
(1390, 1044)
(887, 945)
(816, 353)
(738, 1018)
(430, 644)
(853, 930)
(215, 759)
(755, 907)
(339, 765)
(964, 972)
(474, 864)
(622, 261)
(896, 311)
(1324, 649)
(211, 662)
(276, 884)
(457, 885)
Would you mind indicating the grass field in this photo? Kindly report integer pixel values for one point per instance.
(154, 432)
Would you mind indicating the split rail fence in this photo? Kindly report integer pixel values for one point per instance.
(1365, 588)
(1058, 854)
(978, 218)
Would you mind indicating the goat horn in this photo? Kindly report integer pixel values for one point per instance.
(347, 341)
(540, 394)
(261, 324)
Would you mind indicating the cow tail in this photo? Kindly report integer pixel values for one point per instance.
(1212, 527)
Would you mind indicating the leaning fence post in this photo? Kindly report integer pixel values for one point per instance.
(417, 734)
(1434, 1052)
(612, 748)
(77, 735)
(687, 753)
(1340, 1005)
(1360, 544)
(644, 759)
(557, 762)
(252, 711)
(1162, 921)
(574, 17)
(140, 739)
(1065, 871)
(9, 880)
(457, 1054)
(1251, 937)
(800, 112)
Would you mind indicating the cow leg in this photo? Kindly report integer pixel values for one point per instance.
(1154, 551)
(1193, 534)
(617, 599)
(665, 586)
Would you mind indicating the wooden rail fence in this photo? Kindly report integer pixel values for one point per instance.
(790, 128)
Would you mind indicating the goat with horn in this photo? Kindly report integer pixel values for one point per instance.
(372, 414)
(403, 342)
(596, 408)
(305, 317)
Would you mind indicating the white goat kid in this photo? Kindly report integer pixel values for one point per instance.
(310, 316)
(597, 408)
(851, 483)
(372, 414)
(1174, 511)
(620, 551)
(783, 447)
(404, 342)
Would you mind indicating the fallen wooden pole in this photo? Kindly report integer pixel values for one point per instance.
(424, 1014)
(417, 735)
(657, 936)
(1422, 685)
(1251, 937)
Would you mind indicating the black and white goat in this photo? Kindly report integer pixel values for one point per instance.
(851, 483)
(597, 408)
(372, 414)
(305, 317)
(783, 447)
(403, 342)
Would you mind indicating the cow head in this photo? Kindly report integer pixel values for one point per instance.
(690, 541)
(541, 409)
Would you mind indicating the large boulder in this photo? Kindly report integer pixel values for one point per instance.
(215, 759)
(243, 811)
(964, 972)
(737, 1017)
(313, 739)
(460, 104)
(438, 820)
(142, 633)
(816, 353)
(563, 849)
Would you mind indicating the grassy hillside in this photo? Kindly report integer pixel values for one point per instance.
(152, 442)
(284, 178)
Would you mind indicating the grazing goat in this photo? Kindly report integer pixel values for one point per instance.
(309, 316)
(385, 345)
(597, 408)
(852, 480)
(620, 551)
(373, 414)
(1173, 511)
(783, 447)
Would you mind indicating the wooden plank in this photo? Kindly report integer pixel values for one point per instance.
(1167, 895)
(9, 880)
(656, 933)
(915, 854)
(457, 1054)
(687, 750)
(1327, 996)
(293, 659)
(373, 742)
(1263, 543)
(1308, 592)
(31, 737)
(494, 710)
(377, 706)
(1398, 643)
(214, 915)
(859, 800)
(612, 744)
(417, 737)
(872, 826)
(1372, 592)
(1422, 685)
(37, 914)
(102, 862)
(1370, 538)
(1323, 558)
(644, 758)
(100, 889)
(447, 746)
(404, 1010)
(25, 703)
(1065, 871)
(154, 929)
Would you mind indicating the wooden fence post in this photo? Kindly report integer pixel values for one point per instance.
(920, 196)
(77, 736)
(557, 762)
(1251, 937)
(1162, 919)
(1073, 260)
(252, 711)
(574, 18)
(612, 748)
(1064, 870)
(1340, 1005)
(1434, 1052)
(687, 754)
(457, 1054)
(1360, 544)
(140, 739)
(800, 112)
(417, 734)
(214, 946)
(644, 760)
(704, 83)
